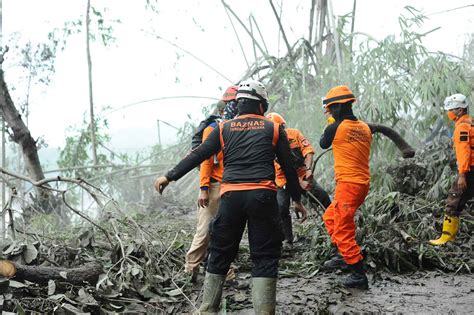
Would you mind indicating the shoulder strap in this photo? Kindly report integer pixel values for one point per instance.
(276, 133)
(221, 129)
(469, 121)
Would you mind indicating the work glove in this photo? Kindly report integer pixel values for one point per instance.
(330, 120)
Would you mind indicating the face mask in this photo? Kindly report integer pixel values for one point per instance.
(335, 110)
(452, 116)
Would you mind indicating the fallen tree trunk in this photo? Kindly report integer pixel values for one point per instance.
(402, 145)
(41, 274)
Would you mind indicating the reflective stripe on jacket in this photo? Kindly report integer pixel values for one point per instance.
(212, 167)
(463, 139)
(249, 144)
(300, 147)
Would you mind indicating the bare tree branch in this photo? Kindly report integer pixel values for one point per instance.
(85, 217)
(8, 208)
(192, 55)
(252, 19)
(238, 39)
(161, 99)
(352, 25)
(265, 54)
(79, 182)
(288, 47)
(311, 21)
(449, 10)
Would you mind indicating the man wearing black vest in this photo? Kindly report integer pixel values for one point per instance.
(249, 143)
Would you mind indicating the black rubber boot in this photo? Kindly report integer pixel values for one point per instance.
(357, 278)
(336, 262)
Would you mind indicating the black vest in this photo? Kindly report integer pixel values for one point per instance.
(248, 143)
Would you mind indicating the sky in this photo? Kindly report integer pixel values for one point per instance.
(139, 66)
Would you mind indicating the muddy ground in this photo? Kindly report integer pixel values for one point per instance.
(420, 292)
(429, 291)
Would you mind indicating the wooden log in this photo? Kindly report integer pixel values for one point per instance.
(402, 145)
(42, 274)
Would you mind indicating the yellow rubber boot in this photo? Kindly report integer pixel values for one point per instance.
(450, 229)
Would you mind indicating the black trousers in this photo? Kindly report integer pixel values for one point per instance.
(283, 197)
(320, 194)
(456, 201)
(258, 208)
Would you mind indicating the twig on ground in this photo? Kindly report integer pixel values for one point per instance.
(168, 249)
(85, 217)
(185, 296)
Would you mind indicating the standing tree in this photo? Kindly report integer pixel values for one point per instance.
(20, 133)
(89, 71)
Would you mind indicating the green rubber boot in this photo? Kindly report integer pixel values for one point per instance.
(211, 298)
(264, 295)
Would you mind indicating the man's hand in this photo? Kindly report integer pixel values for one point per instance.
(160, 184)
(203, 200)
(462, 183)
(309, 175)
(300, 209)
(305, 185)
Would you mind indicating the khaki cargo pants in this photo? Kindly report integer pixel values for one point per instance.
(200, 243)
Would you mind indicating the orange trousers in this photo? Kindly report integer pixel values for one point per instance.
(339, 219)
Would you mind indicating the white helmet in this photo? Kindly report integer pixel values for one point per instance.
(455, 101)
(254, 90)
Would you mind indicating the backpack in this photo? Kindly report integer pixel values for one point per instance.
(196, 139)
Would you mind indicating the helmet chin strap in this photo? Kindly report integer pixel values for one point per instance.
(263, 108)
(459, 113)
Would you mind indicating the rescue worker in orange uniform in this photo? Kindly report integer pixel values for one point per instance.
(210, 177)
(350, 139)
(248, 196)
(302, 154)
(463, 187)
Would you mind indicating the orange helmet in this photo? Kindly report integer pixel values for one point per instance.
(338, 94)
(275, 117)
(230, 93)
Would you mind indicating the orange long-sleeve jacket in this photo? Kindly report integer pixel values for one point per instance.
(298, 145)
(212, 167)
(350, 139)
(351, 150)
(463, 139)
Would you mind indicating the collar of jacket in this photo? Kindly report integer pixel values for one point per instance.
(250, 116)
(462, 119)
